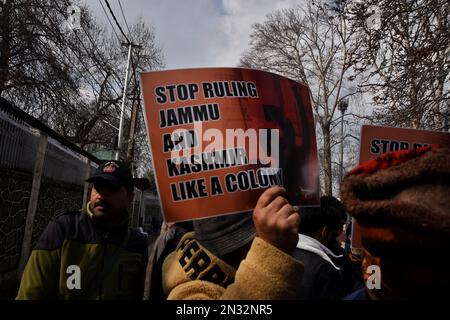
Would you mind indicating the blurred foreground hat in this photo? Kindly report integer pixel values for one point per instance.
(401, 201)
(224, 234)
(115, 173)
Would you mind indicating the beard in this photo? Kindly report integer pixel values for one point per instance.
(100, 208)
(105, 214)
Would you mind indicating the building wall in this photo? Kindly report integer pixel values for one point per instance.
(15, 187)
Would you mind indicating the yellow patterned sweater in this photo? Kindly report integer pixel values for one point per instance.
(192, 272)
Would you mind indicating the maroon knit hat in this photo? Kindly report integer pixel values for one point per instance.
(401, 201)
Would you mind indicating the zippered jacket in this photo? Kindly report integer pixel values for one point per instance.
(77, 259)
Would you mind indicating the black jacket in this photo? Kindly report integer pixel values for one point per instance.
(111, 263)
(321, 281)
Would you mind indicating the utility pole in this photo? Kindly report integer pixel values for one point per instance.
(125, 89)
(133, 127)
(342, 106)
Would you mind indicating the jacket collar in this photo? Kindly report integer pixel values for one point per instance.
(312, 245)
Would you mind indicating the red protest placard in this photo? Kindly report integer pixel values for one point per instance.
(220, 136)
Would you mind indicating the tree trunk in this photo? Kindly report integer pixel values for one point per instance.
(326, 161)
(5, 44)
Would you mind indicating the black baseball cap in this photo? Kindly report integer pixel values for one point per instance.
(115, 173)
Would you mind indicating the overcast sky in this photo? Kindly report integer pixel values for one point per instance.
(196, 33)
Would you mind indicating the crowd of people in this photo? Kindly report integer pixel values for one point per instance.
(400, 201)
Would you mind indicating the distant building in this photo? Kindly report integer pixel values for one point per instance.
(104, 154)
(153, 215)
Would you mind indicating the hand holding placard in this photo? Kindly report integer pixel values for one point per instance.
(276, 221)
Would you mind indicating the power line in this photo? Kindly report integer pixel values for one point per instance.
(107, 16)
(123, 33)
(94, 79)
(94, 58)
(68, 45)
(131, 45)
(118, 25)
(117, 22)
(80, 72)
(124, 19)
(113, 73)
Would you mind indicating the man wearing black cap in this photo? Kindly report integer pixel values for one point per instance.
(90, 253)
(112, 192)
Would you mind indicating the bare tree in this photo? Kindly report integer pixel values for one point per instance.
(403, 55)
(30, 65)
(310, 44)
(69, 78)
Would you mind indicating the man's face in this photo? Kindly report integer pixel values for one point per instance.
(108, 202)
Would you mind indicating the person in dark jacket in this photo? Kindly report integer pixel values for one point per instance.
(318, 231)
(91, 253)
(167, 241)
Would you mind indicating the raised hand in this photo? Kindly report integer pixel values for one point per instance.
(276, 221)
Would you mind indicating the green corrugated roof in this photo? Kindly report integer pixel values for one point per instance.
(105, 154)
